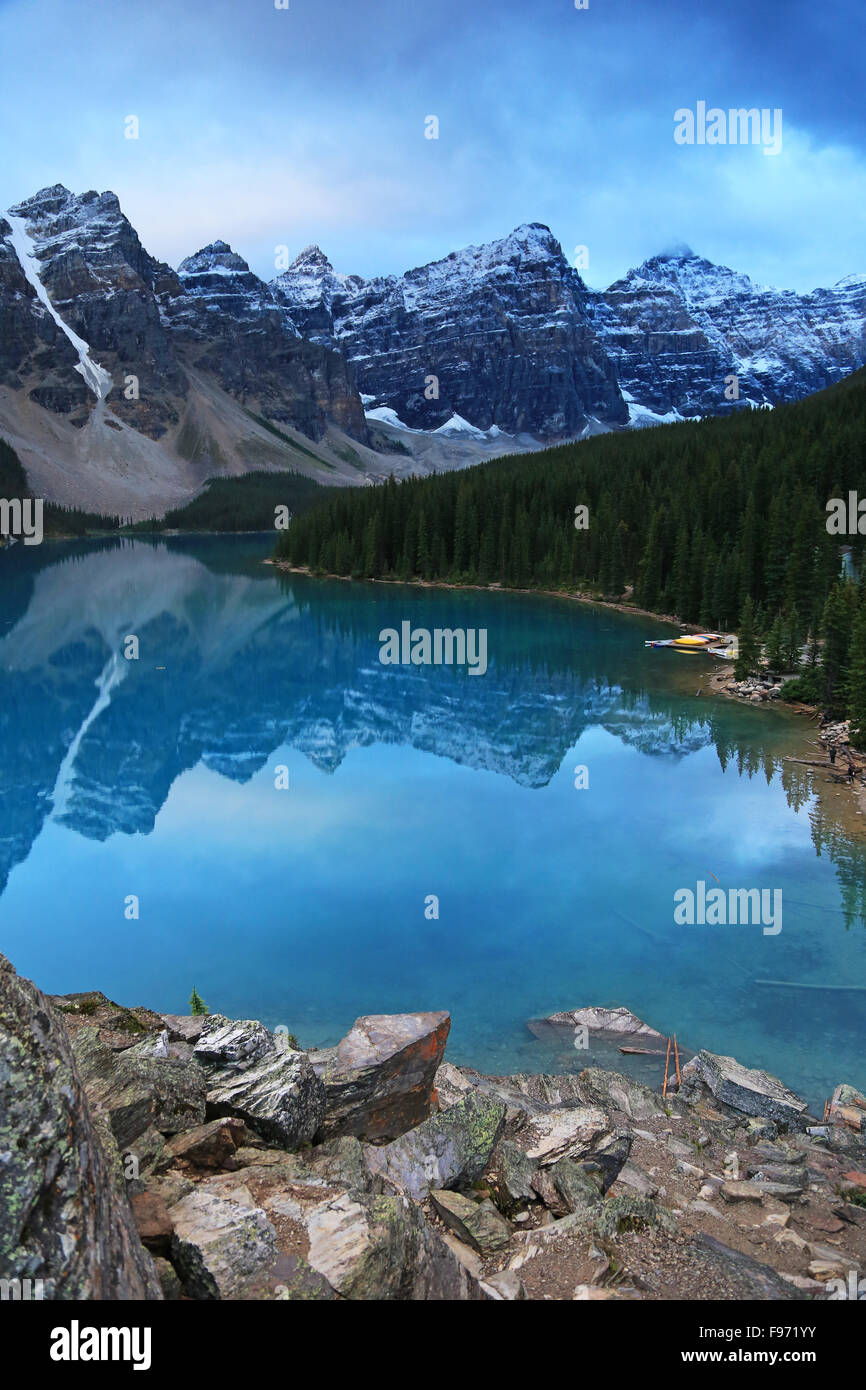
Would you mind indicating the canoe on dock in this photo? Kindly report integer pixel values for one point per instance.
(715, 642)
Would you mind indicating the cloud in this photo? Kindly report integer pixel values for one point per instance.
(270, 128)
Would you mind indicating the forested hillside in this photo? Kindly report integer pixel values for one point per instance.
(722, 522)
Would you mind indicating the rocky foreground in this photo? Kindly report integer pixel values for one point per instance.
(157, 1156)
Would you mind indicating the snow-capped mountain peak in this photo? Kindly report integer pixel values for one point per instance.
(216, 257)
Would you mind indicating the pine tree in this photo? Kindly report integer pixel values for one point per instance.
(856, 710)
(748, 651)
(775, 649)
(462, 538)
(373, 546)
(197, 1006)
(424, 564)
(648, 587)
(617, 560)
(681, 573)
(836, 622)
(791, 654)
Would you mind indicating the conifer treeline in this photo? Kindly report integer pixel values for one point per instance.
(695, 518)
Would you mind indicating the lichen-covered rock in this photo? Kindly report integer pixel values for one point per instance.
(118, 1025)
(614, 1091)
(519, 1093)
(509, 1174)
(138, 1090)
(383, 1248)
(477, 1223)
(567, 1187)
(745, 1277)
(450, 1149)
(64, 1216)
(219, 1244)
(342, 1162)
(606, 1158)
(379, 1079)
(746, 1089)
(290, 1279)
(626, 1213)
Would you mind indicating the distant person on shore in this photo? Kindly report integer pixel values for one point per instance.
(832, 752)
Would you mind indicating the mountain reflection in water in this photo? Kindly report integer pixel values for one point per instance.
(156, 778)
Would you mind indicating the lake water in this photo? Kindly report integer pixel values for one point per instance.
(306, 906)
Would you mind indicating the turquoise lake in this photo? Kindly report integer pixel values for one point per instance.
(306, 906)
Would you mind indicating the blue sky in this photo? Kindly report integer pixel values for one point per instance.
(275, 127)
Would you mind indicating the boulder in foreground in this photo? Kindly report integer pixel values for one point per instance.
(379, 1080)
(219, 1244)
(64, 1216)
(269, 1085)
(383, 1248)
(138, 1090)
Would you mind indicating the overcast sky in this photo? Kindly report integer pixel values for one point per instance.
(270, 127)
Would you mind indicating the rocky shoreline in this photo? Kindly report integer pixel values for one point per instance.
(170, 1157)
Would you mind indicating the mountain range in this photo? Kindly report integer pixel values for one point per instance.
(125, 383)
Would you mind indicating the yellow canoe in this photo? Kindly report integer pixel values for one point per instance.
(697, 642)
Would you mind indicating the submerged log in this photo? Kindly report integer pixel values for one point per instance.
(795, 984)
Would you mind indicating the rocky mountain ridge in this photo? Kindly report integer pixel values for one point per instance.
(124, 383)
(203, 372)
(504, 329)
(678, 326)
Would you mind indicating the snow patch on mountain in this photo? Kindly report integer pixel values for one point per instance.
(454, 428)
(98, 380)
(385, 415)
(457, 425)
(639, 416)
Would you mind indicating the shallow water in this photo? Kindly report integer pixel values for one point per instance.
(306, 906)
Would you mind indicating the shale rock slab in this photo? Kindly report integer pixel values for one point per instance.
(747, 1090)
(267, 1084)
(479, 1224)
(379, 1080)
